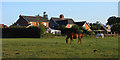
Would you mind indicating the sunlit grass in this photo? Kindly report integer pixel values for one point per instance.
(57, 48)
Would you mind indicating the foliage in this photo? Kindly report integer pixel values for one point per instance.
(76, 29)
(17, 27)
(116, 28)
(42, 29)
(48, 35)
(62, 27)
(20, 33)
(95, 26)
(113, 20)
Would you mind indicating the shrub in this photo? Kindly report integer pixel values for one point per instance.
(76, 29)
(17, 27)
(20, 33)
(48, 35)
(116, 28)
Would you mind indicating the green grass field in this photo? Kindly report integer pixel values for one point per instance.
(57, 48)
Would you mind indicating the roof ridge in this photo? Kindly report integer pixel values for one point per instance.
(60, 18)
(31, 16)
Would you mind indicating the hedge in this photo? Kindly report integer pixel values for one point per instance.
(20, 33)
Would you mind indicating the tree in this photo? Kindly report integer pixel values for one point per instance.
(95, 26)
(76, 29)
(112, 20)
(116, 28)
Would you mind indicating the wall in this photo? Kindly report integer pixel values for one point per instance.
(47, 24)
(86, 26)
(33, 23)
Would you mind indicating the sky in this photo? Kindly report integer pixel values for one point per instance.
(78, 11)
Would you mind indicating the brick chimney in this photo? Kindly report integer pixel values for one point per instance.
(61, 16)
(20, 15)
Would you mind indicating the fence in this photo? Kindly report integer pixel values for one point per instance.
(111, 35)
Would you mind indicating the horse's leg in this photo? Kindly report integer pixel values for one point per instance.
(71, 39)
(67, 39)
(80, 40)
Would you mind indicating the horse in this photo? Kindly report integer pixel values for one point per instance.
(100, 35)
(74, 36)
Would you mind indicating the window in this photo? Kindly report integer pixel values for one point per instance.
(31, 23)
(84, 26)
(45, 24)
(17, 24)
(70, 26)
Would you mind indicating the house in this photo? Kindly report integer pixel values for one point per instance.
(106, 28)
(83, 24)
(32, 21)
(53, 31)
(56, 22)
(3, 26)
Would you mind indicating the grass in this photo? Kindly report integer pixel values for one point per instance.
(57, 48)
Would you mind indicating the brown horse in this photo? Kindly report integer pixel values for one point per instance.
(74, 36)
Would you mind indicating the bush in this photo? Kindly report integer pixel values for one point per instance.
(20, 33)
(76, 29)
(48, 35)
(42, 29)
(116, 28)
(17, 27)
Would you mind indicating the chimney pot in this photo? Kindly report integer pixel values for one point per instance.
(62, 16)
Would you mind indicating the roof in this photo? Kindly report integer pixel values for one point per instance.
(58, 19)
(2, 25)
(64, 21)
(104, 27)
(80, 23)
(35, 18)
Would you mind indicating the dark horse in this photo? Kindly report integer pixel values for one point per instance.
(74, 36)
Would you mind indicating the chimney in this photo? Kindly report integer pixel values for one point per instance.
(20, 15)
(61, 16)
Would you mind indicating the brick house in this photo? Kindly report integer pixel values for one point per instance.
(3, 26)
(106, 29)
(32, 20)
(83, 24)
(56, 22)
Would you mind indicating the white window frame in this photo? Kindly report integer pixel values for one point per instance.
(31, 23)
(45, 24)
(70, 26)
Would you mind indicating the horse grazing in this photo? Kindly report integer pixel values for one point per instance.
(74, 36)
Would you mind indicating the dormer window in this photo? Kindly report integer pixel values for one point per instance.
(45, 24)
(84, 26)
(31, 23)
(70, 26)
(17, 24)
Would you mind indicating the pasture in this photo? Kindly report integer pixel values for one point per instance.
(57, 48)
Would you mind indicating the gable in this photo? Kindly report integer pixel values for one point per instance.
(22, 21)
(86, 26)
